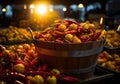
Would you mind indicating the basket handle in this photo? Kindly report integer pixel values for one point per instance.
(31, 32)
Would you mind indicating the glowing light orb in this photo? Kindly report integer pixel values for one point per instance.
(41, 9)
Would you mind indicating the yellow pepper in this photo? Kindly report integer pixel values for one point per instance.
(51, 80)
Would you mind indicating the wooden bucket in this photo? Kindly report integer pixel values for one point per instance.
(74, 59)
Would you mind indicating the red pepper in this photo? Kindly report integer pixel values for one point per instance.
(71, 32)
(59, 41)
(45, 37)
(96, 35)
(38, 73)
(87, 40)
(71, 21)
(31, 66)
(56, 25)
(84, 38)
(44, 67)
(46, 30)
(80, 29)
(18, 76)
(67, 41)
(69, 79)
(58, 33)
(91, 33)
(39, 68)
(101, 55)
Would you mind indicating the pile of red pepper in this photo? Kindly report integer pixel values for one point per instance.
(17, 66)
(47, 77)
(68, 31)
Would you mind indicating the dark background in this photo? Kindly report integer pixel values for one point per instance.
(112, 14)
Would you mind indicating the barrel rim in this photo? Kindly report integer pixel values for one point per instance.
(69, 46)
(50, 42)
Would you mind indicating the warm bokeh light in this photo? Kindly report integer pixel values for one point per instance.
(25, 6)
(80, 5)
(51, 10)
(118, 29)
(41, 15)
(4, 10)
(41, 9)
(64, 9)
(101, 20)
(32, 6)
